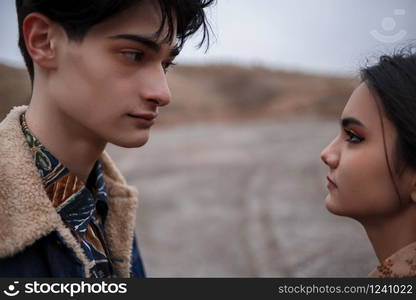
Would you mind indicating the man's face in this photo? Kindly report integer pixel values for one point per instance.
(110, 85)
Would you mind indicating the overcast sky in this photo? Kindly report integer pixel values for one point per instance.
(326, 36)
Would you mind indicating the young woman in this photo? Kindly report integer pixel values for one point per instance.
(372, 162)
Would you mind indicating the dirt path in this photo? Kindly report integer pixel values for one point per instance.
(241, 200)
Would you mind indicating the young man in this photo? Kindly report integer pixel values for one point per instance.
(98, 73)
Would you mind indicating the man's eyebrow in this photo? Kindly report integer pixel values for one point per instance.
(148, 42)
(351, 121)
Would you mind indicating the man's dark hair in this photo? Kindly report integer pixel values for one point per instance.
(78, 16)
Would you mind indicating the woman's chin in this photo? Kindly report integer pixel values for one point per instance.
(333, 206)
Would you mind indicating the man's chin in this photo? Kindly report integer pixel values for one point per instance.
(131, 143)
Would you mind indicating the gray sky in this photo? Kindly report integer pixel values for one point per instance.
(326, 36)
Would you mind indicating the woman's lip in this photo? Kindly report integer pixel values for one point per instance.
(331, 183)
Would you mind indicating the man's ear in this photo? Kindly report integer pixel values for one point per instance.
(40, 36)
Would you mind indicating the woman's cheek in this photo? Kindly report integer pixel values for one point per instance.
(357, 186)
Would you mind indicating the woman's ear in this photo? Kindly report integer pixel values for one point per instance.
(40, 37)
(413, 195)
(413, 188)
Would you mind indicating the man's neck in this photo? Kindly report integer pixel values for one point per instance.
(74, 146)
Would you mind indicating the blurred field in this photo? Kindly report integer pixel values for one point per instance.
(223, 93)
(231, 183)
(242, 199)
(14, 88)
(227, 93)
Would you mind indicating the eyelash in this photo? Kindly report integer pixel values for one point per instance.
(137, 56)
(167, 65)
(353, 138)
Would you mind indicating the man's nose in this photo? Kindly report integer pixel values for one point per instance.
(157, 90)
(330, 155)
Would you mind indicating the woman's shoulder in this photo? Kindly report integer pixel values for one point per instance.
(401, 264)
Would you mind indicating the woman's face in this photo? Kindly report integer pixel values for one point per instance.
(359, 182)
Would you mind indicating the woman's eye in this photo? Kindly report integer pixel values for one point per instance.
(133, 55)
(353, 137)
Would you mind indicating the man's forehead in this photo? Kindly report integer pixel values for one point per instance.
(144, 19)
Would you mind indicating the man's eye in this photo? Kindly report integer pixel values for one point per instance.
(133, 55)
(353, 137)
(167, 65)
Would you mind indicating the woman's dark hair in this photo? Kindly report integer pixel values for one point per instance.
(393, 79)
(78, 16)
(393, 83)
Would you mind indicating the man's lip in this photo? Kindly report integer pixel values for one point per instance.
(147, 116)
(331, 181)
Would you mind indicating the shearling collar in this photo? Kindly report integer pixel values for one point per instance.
(27, 214)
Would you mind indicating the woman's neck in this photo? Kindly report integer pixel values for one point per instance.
(391, 233)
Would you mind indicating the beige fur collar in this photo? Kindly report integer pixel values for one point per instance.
(27, 214)
(401, 264)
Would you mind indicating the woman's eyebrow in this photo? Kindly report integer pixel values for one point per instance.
(146, 41)
(351, 121)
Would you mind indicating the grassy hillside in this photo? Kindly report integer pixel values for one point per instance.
(223, 92)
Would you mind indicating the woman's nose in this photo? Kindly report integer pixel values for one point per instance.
(330, 156)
